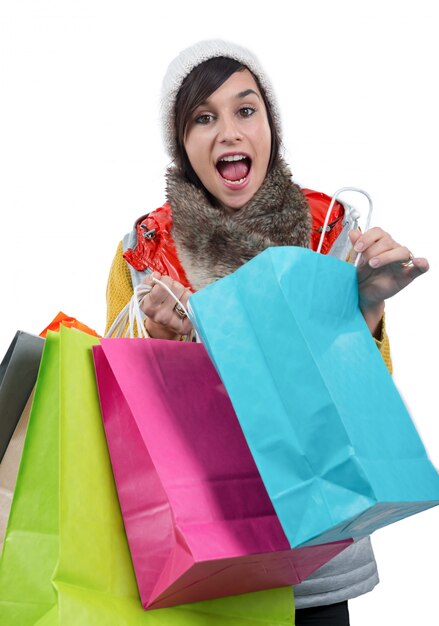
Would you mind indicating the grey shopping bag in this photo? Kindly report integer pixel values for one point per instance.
(18, 373)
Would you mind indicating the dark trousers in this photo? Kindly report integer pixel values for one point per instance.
(329, 615)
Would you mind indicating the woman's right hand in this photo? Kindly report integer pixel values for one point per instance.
(163, 321)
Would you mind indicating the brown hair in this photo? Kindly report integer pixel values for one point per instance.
(198, 85)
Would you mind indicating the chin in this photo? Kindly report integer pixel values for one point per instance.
(235, 200)
(235, 203)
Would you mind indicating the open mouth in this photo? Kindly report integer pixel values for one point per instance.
(234, 168)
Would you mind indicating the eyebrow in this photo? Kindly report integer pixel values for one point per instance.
(241, 94)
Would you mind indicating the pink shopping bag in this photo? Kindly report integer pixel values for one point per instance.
(198, 518)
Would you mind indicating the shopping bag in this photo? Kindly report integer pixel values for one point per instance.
(18, 373)
(333, 441)
(9, 468)
(65, 560)
(189, 490)
(68, 321)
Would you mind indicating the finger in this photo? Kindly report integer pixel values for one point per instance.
(183, 326)
(159, 305)
(365, 240)
(421, 264)
(154, 300)
(354, 236)
(384, 252)
(399, 255)
(158, 294)
(145, 303)
(181, 295)
(163, 305)
(149, 278)
(384, 245)
(186, 327)
(417, 267)
(181, 306)
(363, 244)
(168, 318)
(179, 292)
(185, 296)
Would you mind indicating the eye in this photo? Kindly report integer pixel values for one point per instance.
(205, 118)
(246, 111)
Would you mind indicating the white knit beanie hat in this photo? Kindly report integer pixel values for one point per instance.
(185, 62)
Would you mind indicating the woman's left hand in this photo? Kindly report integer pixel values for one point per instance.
(385, 268)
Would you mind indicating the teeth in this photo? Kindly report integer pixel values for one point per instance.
(233, 157)
(235, 182)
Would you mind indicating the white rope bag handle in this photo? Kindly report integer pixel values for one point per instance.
(131, 317)
(331, 206)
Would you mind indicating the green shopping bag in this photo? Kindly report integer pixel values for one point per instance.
(66, 560)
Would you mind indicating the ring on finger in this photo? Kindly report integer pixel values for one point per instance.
(409, 262)
(180, 311)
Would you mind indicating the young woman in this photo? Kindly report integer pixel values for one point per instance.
(229, 196)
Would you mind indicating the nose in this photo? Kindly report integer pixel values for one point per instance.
(229, 130)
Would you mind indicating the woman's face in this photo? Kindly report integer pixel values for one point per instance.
(228, 141)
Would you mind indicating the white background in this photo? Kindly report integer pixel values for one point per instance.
(81, 157)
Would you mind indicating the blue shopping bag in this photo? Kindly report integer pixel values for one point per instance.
(333, 441)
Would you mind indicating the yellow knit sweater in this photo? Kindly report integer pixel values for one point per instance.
(120, 290)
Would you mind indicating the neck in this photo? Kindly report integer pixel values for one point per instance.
(214, 240)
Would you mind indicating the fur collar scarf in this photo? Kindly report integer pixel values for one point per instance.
(212, 242)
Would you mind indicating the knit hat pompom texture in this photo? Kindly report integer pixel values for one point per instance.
(185, 62)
